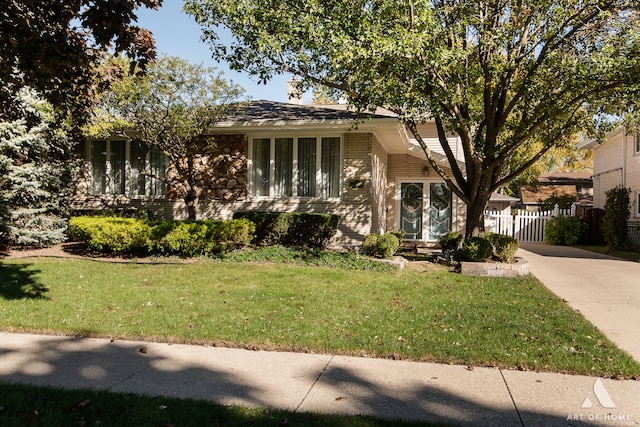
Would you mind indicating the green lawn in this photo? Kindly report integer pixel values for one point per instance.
(425, 314)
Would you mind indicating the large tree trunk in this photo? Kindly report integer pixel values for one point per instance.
(191, 200)
(475, 215)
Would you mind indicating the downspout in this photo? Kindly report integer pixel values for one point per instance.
(624, 158)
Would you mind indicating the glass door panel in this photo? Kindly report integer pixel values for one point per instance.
(439, 210)
(411, 205)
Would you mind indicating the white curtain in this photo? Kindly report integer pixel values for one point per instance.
(157, 172)
(283, 185)
(137, 160)
(307, 167)
(330, 167)
(116, 167)
(260, 159)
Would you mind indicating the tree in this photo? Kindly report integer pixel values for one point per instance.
(55, 46)
(499, 74)
(171, 107)
(35, 172)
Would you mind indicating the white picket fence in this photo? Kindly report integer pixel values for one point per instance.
(523, 226)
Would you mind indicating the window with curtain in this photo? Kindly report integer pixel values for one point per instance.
(307, 167)
(116, 167)
(98, 167)
(261, 168)
(283, 175)
(296, 167)
(127, 168)
(330, 170)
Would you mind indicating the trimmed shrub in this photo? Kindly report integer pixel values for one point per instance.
(450, 241)
(370, 244)
(292, 229)
(616, 215)
(115, 235)
(185, 238)
(388, 245)
(564, 230)
(384, 246)
(505, 247)
(190, 238)
(474, 249)
(201, 237)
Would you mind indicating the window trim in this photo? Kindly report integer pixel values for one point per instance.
(295, 171)
(127, 171)
(637, 209)
(636, 144)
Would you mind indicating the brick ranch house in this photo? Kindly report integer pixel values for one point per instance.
(282, 157)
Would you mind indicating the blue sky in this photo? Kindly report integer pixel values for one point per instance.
(177, 34)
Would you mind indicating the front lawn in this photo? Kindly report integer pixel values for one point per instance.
(420, 313)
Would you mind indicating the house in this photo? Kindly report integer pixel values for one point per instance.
(277, 157)
(576, 185)
(616, 162)
(501, 203)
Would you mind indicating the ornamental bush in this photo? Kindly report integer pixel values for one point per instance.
(383, 246)
(203, 237)
(184, 238)
(450, 241)
(505, 247)
(292, 229)
(114, 235)
(474, 249)
(564, 230)
(616, 215)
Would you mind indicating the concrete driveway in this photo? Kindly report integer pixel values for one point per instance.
(604, 289)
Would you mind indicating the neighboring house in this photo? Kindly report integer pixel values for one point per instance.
(501, 204)
(616, 162)
(577, 185)
(281, 157)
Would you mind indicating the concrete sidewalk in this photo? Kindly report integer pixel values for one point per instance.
(604, 289)
(321, 383)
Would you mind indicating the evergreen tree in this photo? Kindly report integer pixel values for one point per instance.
(35, 172)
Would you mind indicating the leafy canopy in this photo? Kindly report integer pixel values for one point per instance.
(172, 107)
(499, 75)
(55, 46)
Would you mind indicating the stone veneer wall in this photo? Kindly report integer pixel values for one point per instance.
(223, 170)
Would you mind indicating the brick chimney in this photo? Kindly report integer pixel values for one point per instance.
(293, 93)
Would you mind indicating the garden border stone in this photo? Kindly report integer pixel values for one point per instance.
(519, 267)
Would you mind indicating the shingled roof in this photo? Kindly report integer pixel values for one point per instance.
(262, 112)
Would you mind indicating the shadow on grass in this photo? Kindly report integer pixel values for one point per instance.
(230, 377)
(19, 281)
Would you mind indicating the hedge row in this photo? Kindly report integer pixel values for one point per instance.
(292, 229)
(120, 235)
(129, 234)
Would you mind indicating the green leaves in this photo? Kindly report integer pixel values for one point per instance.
(504, 77)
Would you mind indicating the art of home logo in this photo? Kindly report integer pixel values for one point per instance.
(601, 394)
(603, 400)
